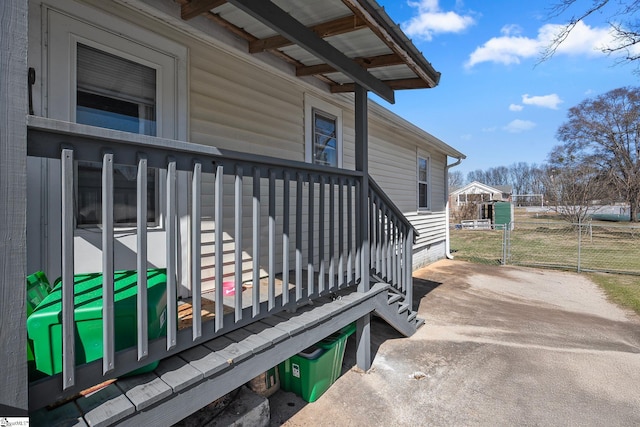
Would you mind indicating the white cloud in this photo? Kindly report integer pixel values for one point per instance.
(511, 47)
(489, 129)
(431, 20)
(515, 107)
(517, 126)
(546, 101)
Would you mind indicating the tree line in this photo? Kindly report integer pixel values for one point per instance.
(596, 162)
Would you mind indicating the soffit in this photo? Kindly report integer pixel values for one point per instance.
(341, 42)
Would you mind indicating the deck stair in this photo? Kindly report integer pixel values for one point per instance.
(397, 313)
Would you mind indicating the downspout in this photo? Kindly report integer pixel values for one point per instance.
(447, 244)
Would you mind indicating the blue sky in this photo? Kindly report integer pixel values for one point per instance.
(496, 102)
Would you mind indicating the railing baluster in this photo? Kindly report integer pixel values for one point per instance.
(349, 233)
(359, 209)
(372, 234)
(340, 232)
(321, 248)
(332, 233)
(238, 264)
(68, 308)
(298, 237)
(285, 237)
(108, 344)
(380, 241)
(171, 239)
(311, 243)
(388, 247)
(196, 251)
(408, 286)
(272, 240)
(141, 259)
(219, 244)
(394, 254)
(256, 241)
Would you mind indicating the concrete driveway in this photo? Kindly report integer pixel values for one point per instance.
(502, 346)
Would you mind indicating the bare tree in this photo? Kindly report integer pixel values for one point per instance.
(456, 180)
(571, 186)
(603, 134)
(622, 20)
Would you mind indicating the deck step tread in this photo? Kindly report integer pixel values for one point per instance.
(403, 308)
(106, 406)
(255, 342)
(412, 316)
(144, 390)
(177, 373)
(230, 350)
(204, 360)
(394, 298)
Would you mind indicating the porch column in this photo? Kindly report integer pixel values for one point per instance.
(13, 207)
(363, 333)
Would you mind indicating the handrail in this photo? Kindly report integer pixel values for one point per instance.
(394, 208)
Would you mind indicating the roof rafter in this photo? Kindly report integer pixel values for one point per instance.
(283, 23)
(413, 83)
(326, 29)
(198, 7)
(368, 62)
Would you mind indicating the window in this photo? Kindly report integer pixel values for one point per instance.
(126, 79)
(119, 94)
(423, 183)
(323, 133)
(114, 93)
(324, 139)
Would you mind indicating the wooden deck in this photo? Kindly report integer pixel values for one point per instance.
(196, 377)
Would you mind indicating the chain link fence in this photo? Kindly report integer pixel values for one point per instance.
(582, 247)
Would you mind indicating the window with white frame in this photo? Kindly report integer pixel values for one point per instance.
(323, 132)
(423, 183)
(128, 80)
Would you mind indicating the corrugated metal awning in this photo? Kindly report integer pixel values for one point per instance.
(341, 42)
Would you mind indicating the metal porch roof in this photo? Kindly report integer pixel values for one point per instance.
(341, 42)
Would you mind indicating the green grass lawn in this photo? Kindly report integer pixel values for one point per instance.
(621, 289)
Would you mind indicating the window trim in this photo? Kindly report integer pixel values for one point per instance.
(91, 27)
(312, 104)
(426, 157)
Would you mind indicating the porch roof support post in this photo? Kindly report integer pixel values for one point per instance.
(13, 209)
(363, 332)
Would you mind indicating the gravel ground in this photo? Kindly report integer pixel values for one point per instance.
(501, 346)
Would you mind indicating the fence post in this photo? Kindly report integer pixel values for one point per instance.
(579, 242)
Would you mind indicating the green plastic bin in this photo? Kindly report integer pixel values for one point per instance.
(311, 372)
(38, 288)
(44, 325)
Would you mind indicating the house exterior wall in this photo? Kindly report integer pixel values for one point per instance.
(237, 102)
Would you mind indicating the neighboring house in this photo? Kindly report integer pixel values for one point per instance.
(226, 142)
(476, 192)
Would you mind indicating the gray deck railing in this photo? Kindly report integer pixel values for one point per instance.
(392, 237)
(302, 215)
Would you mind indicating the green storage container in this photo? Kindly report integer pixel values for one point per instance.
(38, 288)
(311, 372)
(44, 325)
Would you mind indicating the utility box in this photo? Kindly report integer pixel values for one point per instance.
(311, 372)
(44, 325)
(501, 214)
